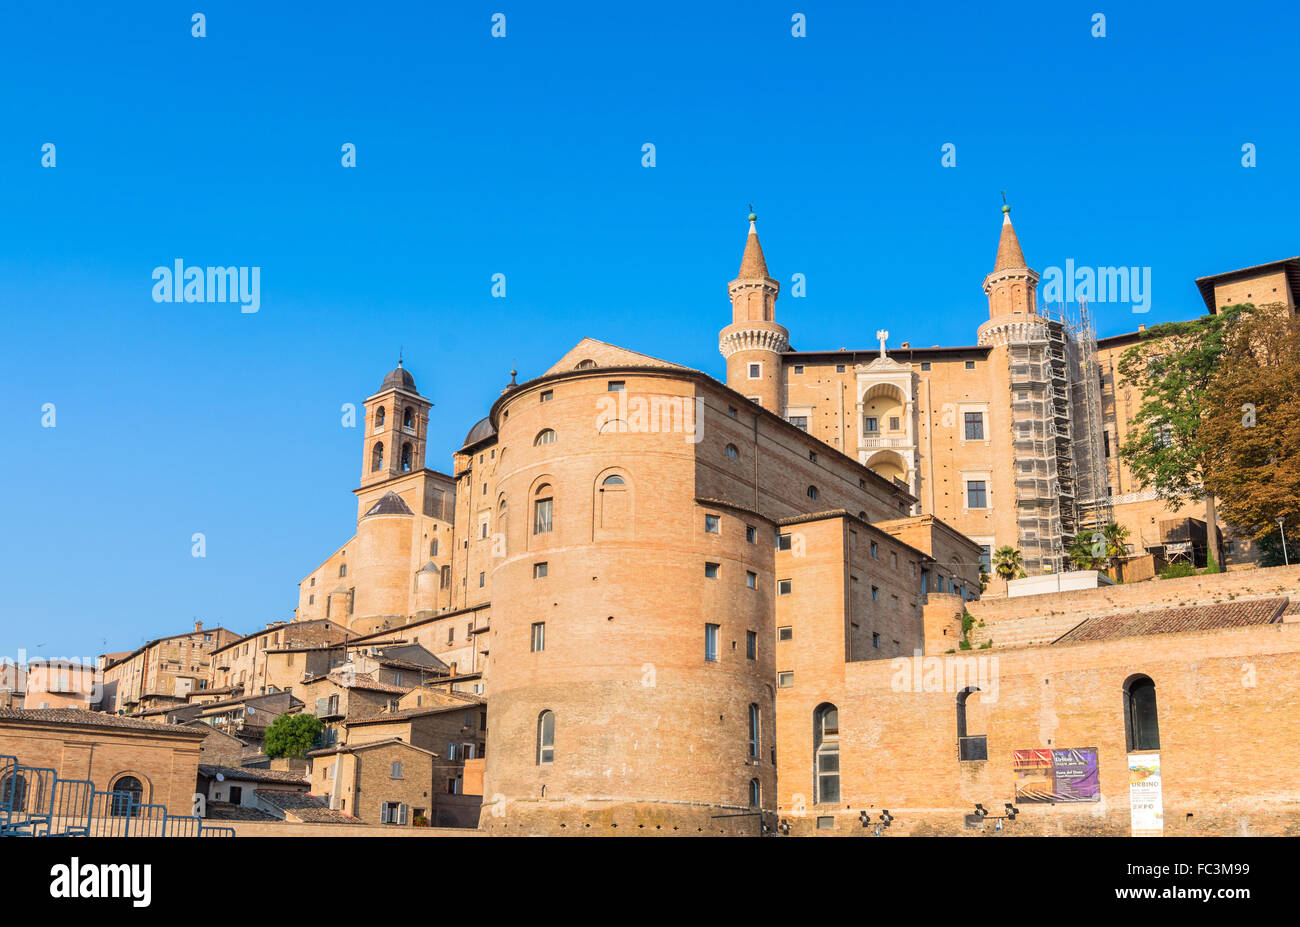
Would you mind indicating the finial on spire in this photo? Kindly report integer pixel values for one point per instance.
(1006, 210)
(753, 217)
(399, 355)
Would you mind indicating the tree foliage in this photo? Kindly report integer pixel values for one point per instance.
(1008, 563)
(1173, 367)
(292, 735)
(1252, 425)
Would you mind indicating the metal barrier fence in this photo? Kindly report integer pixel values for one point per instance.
(35, 802)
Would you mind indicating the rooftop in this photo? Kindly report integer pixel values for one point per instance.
(1176, 620)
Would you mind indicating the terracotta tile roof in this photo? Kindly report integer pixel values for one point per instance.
(310, 809)
(225, 811)
(407, 714)
(84, 718)
(1176, 620)
(252, 774)
(363, 681)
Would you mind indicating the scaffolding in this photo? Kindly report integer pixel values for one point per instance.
(1093, 506)
(1040, 429)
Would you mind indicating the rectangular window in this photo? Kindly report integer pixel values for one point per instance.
(751, 645)
(482, 578)
(1105, 438)
(395, 770)
(542, 516)
(547, 395)
(784, 587)
(755, 371)
(875, 593)
(974, 426)
(870, 425)
(784, 680)
(711, 643)
(711, 570)
(986, 558)
(712, 524)
(875, 640)
(800, 422)
(783, 542)
(970, 365)
(785, 634)
(875, 551)
(925, 365)
(616, 386)
(751, 534)
(976, 494)
(895, 423)
(839, 368)
(751, 579)
(812, 455)
(539, 570)
(451, 635)
(539, 636)
(798, 368)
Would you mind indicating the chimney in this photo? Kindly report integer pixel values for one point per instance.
(198, 626)
(1142, 328)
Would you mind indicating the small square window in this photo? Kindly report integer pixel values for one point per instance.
(925, 365)
(755, 371)
(712, 524)
(839, 368)
(547, 395)
(751, 579)
(539, 570)
(812, 455)
(784, 586)
(970, 365)
(711, 570)
(798, 368)
(731, 410)
(785, 634)
(783, 542)
(784, 680)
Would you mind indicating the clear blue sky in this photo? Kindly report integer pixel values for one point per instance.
(523, 156)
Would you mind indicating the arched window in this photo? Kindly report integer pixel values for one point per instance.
(406, 456)
(753, 731)
(731, 451)
(755, 793)
(127, 792)
(812, 492)
(13, 792)
(546, 738)
(542, 509)
(585, 364)
(862, 515)
(826, 754)
(613, 480)
(377, 456)
(408, 417)
(380, 416)
(970, 745)
(545, 436)
(1141, 724)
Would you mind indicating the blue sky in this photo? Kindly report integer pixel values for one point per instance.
(522, 156)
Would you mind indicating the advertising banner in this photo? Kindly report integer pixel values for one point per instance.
(1065, 775)
(1145, 802)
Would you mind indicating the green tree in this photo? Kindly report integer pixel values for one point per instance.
(1115, 537)
(1087, 551)
(1251, 425)
(1173, 366)
(292, 735)
(1008, 563)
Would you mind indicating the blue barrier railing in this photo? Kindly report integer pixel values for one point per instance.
(36, 802)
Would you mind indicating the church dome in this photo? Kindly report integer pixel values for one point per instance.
(482, 429)
(398, 378)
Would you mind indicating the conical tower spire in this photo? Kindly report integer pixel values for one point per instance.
(752, 263)
(1010, 257)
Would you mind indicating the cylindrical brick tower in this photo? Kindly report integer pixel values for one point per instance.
(753, 342)
(615, 710)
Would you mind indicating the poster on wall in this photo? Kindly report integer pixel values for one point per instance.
(1146, 804)
(1065, 775)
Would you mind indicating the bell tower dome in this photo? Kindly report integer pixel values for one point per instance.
(396, 429)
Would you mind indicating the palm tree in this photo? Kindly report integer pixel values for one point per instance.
(1116, 536)
(1008, 563)
(1087, 551)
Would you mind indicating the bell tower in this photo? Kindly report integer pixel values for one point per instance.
(396, 429)
(753, 343)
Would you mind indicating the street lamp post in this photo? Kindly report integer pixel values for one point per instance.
(1282, 531)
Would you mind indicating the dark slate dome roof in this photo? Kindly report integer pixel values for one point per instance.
(482, 429)
(398, 378)
(390, 504)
